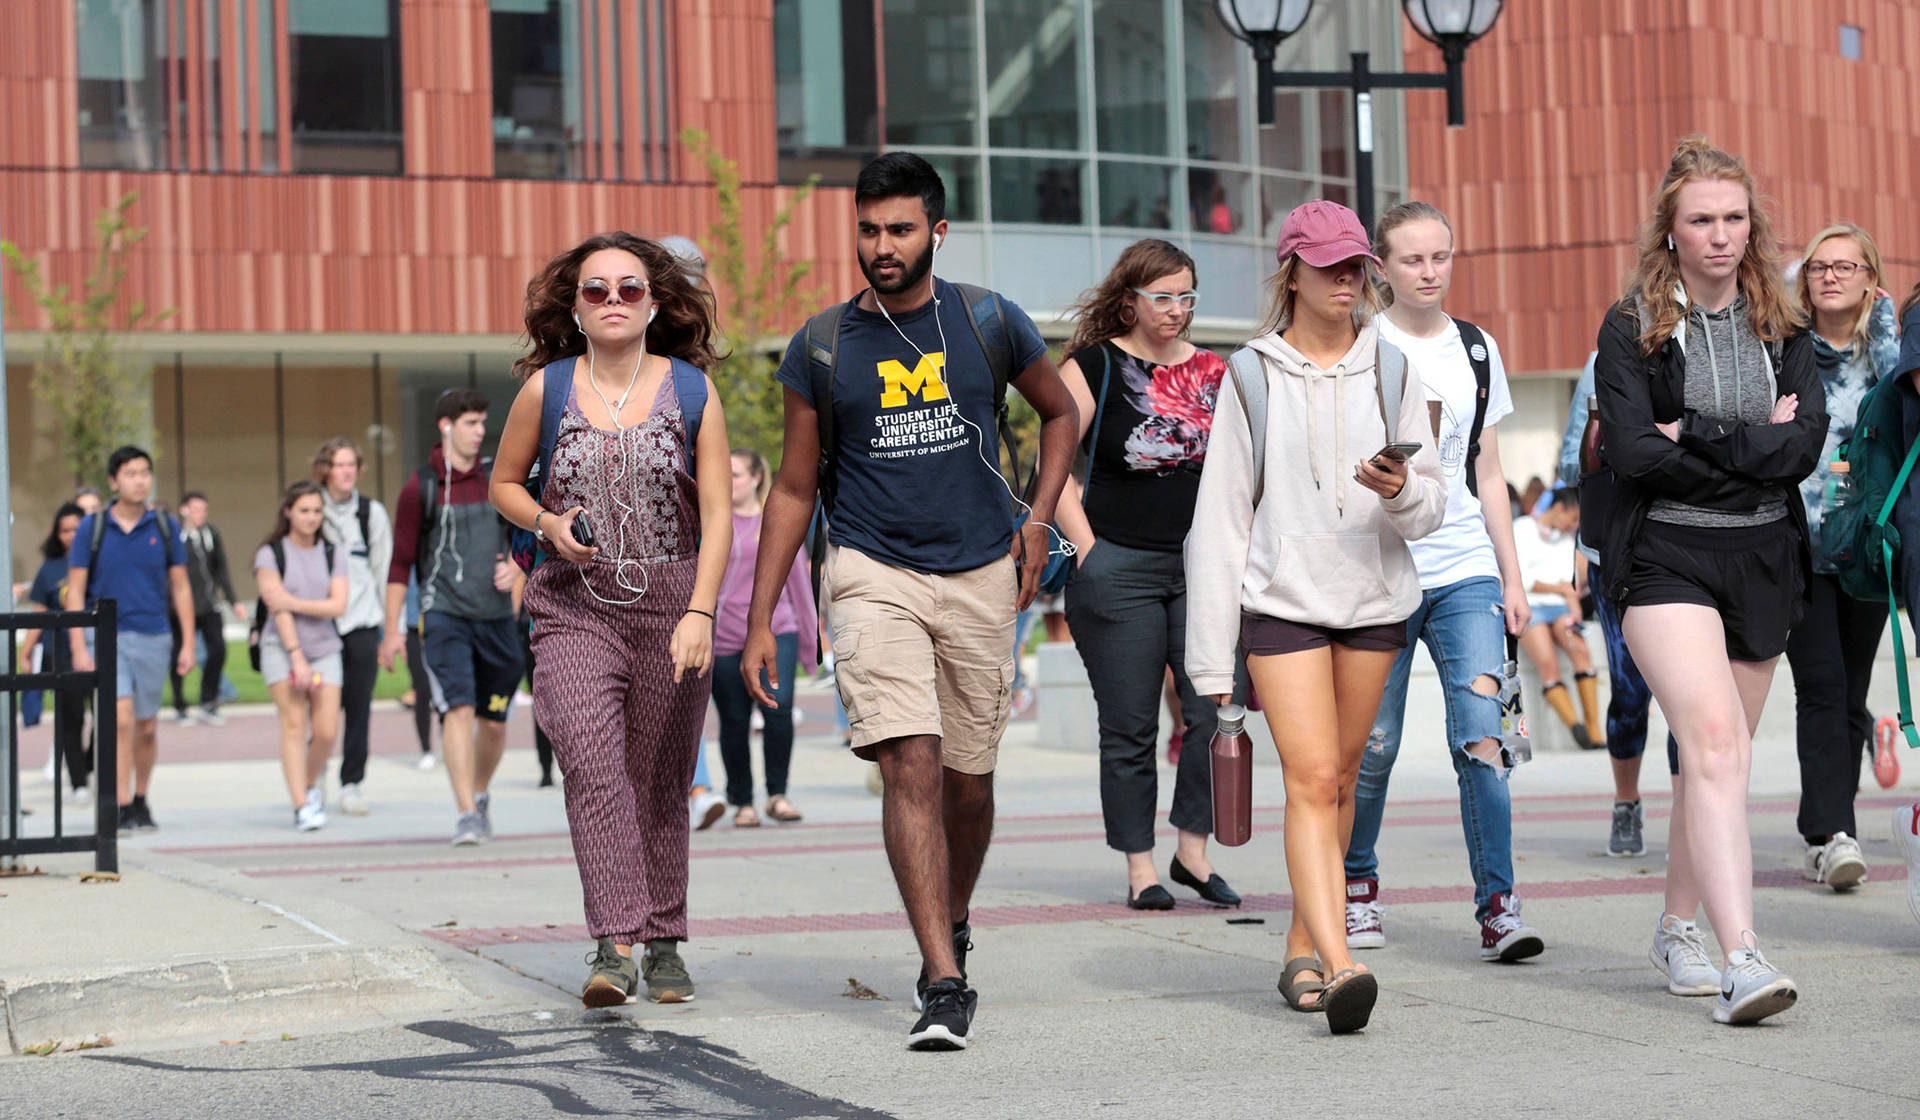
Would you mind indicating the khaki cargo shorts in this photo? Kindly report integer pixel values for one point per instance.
(919, 654)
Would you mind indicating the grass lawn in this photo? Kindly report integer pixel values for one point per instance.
(252, 690)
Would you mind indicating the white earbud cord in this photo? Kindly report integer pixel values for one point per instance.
(444, 517)
(618, 476)
(980, 438)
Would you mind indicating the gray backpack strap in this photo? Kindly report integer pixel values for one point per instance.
(1391, 385)
(1249, 374)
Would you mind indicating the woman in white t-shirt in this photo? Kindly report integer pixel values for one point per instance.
(303, 584)
(1550, 571)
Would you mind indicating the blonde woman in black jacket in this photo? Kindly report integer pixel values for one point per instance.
(1711, 413)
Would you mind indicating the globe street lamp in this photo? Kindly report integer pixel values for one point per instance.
(1451, 25)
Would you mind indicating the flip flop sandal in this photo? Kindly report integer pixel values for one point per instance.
(1295, 991)
(746, 818)
(782, 810)
(1348, 1000)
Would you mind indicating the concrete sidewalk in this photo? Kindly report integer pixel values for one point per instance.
(1086, 1007)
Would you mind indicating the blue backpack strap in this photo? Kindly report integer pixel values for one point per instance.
(690, 386)
(823, 357)
(553, 408)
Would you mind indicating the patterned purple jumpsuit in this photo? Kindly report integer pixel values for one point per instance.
(624, 733)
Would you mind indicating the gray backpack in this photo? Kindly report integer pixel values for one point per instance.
(1249, 371)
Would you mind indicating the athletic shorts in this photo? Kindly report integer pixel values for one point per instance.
(1268, 637)
(1750, 574)
(921, 654)
(143, 663)
(472, 663)
(275, 666)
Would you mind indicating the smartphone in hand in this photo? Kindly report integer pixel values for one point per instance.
(583, 530)
(1399, 451)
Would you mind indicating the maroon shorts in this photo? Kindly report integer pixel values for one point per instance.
(1266, 637)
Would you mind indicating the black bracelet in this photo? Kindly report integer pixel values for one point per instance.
(697, 610)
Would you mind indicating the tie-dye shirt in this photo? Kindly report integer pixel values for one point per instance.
(1847, 374)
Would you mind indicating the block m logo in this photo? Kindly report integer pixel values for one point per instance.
(923, 381)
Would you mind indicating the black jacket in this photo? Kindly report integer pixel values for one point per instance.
(1717, 463)
(207, 571)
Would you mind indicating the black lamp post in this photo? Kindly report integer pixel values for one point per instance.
(1451, 25)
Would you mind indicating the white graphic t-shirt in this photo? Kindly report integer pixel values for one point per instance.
(1460, 548)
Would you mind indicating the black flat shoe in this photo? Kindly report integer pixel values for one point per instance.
(1214, 890)
(1153, 898)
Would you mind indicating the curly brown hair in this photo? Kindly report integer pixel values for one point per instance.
(684, 329)
(1107, 311)
(1771, 305)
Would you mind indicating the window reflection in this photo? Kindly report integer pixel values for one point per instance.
(1033, 73)
(1139, 195)
(346, 86)
(1217, 200)
(536, 89)
(930, 72)
(1130, 77)
(1215, 90)
(1039, 190)
(826, 88)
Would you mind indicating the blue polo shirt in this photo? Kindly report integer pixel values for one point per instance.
(133, 569)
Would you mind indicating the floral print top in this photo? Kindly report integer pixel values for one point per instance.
(1154, 421)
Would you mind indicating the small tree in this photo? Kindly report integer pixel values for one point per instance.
(96, 400)
(764, 296)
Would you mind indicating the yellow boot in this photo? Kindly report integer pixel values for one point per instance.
(1562, 704)
(1589, 687)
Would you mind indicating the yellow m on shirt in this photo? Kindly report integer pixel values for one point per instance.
(923, 381)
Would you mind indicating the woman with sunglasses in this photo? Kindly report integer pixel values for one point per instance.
(1831, 651)
(1299, 554)
(1146, 399)
(623, 624)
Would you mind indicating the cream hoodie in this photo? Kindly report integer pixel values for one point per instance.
(1320, 549)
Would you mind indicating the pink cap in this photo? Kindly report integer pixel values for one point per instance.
(1323, 233)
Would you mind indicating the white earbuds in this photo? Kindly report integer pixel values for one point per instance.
(1669, 243)
(577, 324)
(651, 314)
(936, 241)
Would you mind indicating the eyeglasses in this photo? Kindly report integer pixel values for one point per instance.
(630, 290)
(1164, 301)
(1842, 270)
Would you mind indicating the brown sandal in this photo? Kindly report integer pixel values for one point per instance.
(745, 817)
(782, 810)
(1296, 991)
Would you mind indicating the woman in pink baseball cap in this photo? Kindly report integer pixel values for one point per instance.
(1321, 468)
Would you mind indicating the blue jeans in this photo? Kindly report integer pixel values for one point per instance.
(1463, 625)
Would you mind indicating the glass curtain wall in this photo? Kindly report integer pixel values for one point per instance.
(536, 89)
(346, 86)
(826, 88)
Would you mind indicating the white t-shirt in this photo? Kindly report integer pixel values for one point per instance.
(1460, 548)
(1544, 558)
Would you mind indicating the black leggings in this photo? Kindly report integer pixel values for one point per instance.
(210, 628)
(422, 690)
(1831, 654)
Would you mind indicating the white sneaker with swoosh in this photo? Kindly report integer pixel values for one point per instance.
(1906, 837)
(1751, 988)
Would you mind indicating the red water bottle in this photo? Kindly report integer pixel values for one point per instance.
(1232, 778)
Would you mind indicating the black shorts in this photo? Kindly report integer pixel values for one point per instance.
(1750, 574)
(471, 663)
(1266, 637)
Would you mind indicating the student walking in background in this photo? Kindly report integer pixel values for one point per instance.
(303, 589)
(1146, 398)
(360, 531)
(1711, 413)
(796, 630)
(210, 578)
(423, 706)
(48, 593)
(1472, 594)
(133, 554)
(1320, 467)
(1831, 650)
(622, 628)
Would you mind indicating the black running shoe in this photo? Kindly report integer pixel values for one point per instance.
(143, 816)
(947, 1022)
(962, 934)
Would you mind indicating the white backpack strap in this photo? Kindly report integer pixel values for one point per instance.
(1249, 374)
(1391, 365)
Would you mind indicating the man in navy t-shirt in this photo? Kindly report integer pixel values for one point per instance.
(142, 567)
(920, 581)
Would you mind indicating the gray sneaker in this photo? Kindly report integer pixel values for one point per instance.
(1626, 839)
(470, 830)
(666, 973)
(482, 802)
(1681, 952)
(613, 978)
(1751, 988)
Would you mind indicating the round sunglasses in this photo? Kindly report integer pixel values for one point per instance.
(632, 289)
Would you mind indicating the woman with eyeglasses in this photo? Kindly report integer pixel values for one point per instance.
(623, 616)
(1146, 398)
(1831, 651)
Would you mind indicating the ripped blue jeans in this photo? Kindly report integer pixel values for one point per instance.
(1463, 627)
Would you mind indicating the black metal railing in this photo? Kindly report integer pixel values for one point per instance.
(101, 683)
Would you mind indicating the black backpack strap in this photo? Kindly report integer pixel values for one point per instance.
(823, 356)
(1480, 356)
(429, 495)
(987, 315)
(363, 512)
(93, 550)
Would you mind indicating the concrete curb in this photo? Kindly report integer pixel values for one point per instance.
(352, 969)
